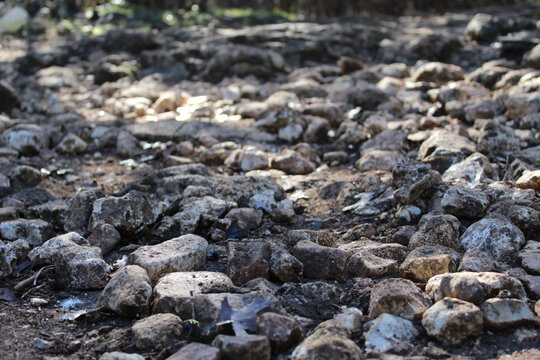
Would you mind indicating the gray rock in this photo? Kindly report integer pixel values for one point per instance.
(106, 238)
(474, 170)
(399, 297)
(284, 212)
(390, 333)
(365, 264)
(72, 144)
(426, 261)
(321, 262)
(26, 175)
(249, 347)
(80, 268)
(323, 344)
(483, 27)
(117, 355)
(185, 253)
(379, 160)
(127, 145)
(390, 251)
(44, 254)
(329, 111)
(248, 158)
(316, 130)
(128, 292)
(207, 205)
(285, 267)
(473, 287)
(79, 211)
(292, 163)
(4, 183)
(498, 235)
(27, 139)
(35, 231)
(412, 181)
(532, 58)
(484, 109)
(390, 140)
(245, 218)
(478, 260)
(502, 314)
(196, 351)
(11, 254)
(453, 321)
(173, 289)
(312, 300)
(282, 331)
(438, 73)
(462, 202)
(248, 260)
(53, 212)
(128, 214)
(444, 149)
(157, 331)
(435, 229)
(530, 257)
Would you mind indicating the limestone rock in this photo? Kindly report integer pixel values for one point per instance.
(399, 297)
(424, 262)
(80, 268)
(35, 231)
(390, 333)
(324, 344)
(507, 313)
(282, 331)
(438, 73)
(27, 139)
(11, 254)
(157, 331)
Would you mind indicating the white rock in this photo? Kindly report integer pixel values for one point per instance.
(390, 333)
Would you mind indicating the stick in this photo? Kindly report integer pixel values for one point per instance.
(32, 279)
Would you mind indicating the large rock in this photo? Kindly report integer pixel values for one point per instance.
(477, 259)
(502, 314)
(185, 253)
(413, 181)
(11, 254)
(128, 292)
(502, 238)
(321, 262)
(128, 214)
(437, 72)
(424, 262)
(285, 267)
(435, 229)
(35, 231)
(399, 297)
(473, 287)
(106, 238)
(79, 211)
(462, 202)
(196, 351)
(473, 170)
(248, 260)
(173, 289)
(453, 321)
(292, 163)
(249, 347)
(530, 257)
(72, 144)
(444, 149)
(483, 27)
(324, 344)
(390, 333)
(80, 268)
(157, 331)
(27, 139)
(365, 264)
(282, 331)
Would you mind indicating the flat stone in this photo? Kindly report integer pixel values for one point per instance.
(175, 288)
(424, 262)
(34, 231)
(248, 260)
(249, 347)
(462, 202)
(185, 253)
(473, 287)
(321, 262)
(399, 297)
(390, 333)
(157, 331)
(128, 292)
(282, 331)
(391, 251)
(453, 321)
(196, 351)
(498, 235)
(502, 314)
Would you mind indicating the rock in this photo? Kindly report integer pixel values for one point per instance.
(106, 238)
(462, 202)
(52, 212)
(128, 292)
(79, 211)
(365, 264)
(80, 267)
(324, 344)
(27, 139)
(426, 261)
(390, 251)
(498, 235)
(379, 160)
(282, 331)
(157, 331)
(72, 144)
(530, 257)
(44, 254)
(185, 253)
(444, 149)
(285, 267)
(175, 288)
(248, 260)
(117, 355)
(399, 297)
(502, 314)
(537, 308)
(473, 287)
(11, 254)
(26, 175)
(292, 163)
(247, 159)
(314, 300)
(483, 27)
(347, 323)
(13, 20)
(35, 232)
(412, 182)
(127, 145)
(438, 73)
(390, 333)
(532, 58)
(390, 140)
(434, 229)
(321, 262)
(128, 214)
(249, 347)
(453, 321)
(477, 259)
(529, 180)
(484, 109)
(329, 111)
(474, 170)
(196, 351)
(403, 235)
(245, 218)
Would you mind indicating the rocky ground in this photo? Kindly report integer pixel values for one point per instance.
(340, 190)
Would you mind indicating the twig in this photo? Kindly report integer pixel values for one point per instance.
(32, 279)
